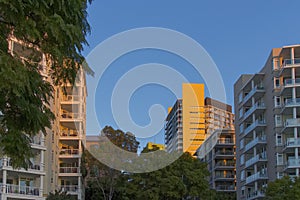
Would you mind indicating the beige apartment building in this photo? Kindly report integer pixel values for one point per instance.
(267, 108)
(57, 155)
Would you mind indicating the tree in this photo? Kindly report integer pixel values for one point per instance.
(55, 29)
(186, 178)
(60, 195)
(101, 180)
(284, 189)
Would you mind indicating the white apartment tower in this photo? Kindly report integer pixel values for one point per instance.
(267, 107)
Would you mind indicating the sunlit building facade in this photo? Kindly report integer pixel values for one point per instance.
(267, 111)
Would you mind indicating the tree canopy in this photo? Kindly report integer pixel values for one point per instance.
(284, 189)
(51, 29)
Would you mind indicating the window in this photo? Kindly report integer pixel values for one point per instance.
(241, 113)
(276, 83)
(277, 101)
(240, 97)
(242, 159)
(241, 143)
(276, 64)
(279, 159)
(241, 128)
(278, 140)
(279, 175)
(243, 175)
(278, 120)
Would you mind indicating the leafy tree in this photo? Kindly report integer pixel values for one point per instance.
(58, 30)
(183, 179)
(60, 195)
(284, 189)
(101, 180)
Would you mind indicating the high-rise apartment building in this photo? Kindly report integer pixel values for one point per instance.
(267, 125)
(193, 118)
(218, 151)
(57, 155)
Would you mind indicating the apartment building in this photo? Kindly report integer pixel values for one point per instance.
(267, 123)
(193, 118)
(57, 155)
(218, 151)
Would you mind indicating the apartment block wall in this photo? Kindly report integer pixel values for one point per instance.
(267, 112)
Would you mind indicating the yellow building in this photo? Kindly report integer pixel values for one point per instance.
(151, 146)
(193, 118)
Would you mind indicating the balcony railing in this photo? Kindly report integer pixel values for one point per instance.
(69, 133)
(253, 125)
(289, 62)
(291, 82)
(262, 156)
(69, 170)
(225, 187)
(225, 141)
(255, 194)
(69, 188)
(257, 105)
(293, 163)
(225, 176)
(225, 164)
(7, 163)
(18, 189)
(292, 122)
(253, 91)
(292, 102)
(259, 175)
(224, 153)
(69, 152)
(261, 139)
(70, 115)
(70, 98)
(292, 142)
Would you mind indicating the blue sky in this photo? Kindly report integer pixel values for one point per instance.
(238, 35)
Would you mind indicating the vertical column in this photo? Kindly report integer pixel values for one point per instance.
(79, 192)
(292, 55)
(41, 185)
(4, 174)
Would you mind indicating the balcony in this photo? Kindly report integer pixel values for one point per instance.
(256, 90)
(293, 163)
(70, 98)
(293, 122)
(69, 188)
(256, 195)
(65, 115)
(225, 165)
(33, 168)
(262, 157)
(290, 103)
(257, 123)
(69, 153)
(225, 141)
(223, 154)
(227, 188)
(256, 106)
(69, 170)
(292, 143)
(224, 177)
(21, 190)
(256, 141)
(261, 175)
(69, 133)
(290, 63)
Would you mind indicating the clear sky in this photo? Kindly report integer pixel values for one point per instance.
(238, 35)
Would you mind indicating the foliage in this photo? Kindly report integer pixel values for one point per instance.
(284, 189)
(58, 30)
(59, 195)
(102, 180)
(183, 179)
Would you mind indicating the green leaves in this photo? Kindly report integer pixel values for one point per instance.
(55, 28)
